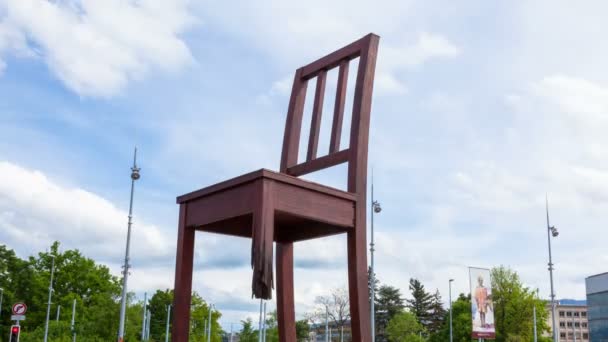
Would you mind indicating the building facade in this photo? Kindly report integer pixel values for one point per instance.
(597, 300)
(572, 320)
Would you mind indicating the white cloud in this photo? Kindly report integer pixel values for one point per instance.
(97, 47)
(34, 211)
(574, 95)
(428, 46)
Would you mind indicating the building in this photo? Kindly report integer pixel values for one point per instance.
(597, 300)
(571, 320)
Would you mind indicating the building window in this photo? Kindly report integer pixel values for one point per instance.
(562, 335)
(568, 313)
(584, 324)
(562, 324)
(585, 336)
(561, 314)
(569, 324)
(584, 313)
(577, 324)
(576, 313)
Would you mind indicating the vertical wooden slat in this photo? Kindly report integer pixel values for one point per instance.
(293, 124)
(184, 263)
(336, 127)
(317, 112)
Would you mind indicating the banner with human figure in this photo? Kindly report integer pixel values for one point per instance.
(482, 308)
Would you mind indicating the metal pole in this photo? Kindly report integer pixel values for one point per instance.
(58, 311)
(573, 329)
(450, 297)
(342, 334)
(264, 324)
(326, 324)
(1, 295)
(375, 208)
(534, 313)
(549, 231)
(231, 332)
(260, 321)
(123, 302)
(209, 325)
(148, 325)
(48, 306)
(73, 321)
(143, 320)
(167, 327)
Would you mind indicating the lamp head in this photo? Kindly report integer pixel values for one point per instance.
(377, 207)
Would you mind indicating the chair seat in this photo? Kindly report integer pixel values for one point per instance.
(300, 209)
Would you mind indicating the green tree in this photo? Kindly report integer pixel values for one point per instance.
(248, 334)
(437, 314)
(158, 308)
(421, 303)
(461, 322)
(302, 330)
(388, 304)
(513, 306)
(404, 328)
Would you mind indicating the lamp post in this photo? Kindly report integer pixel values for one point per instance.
(123, 302)
(48, 307)
(551, 232)
(450, 298)
(375, 209)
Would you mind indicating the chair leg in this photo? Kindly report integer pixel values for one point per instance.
(358, 286)
(183, 279)
(285, 301)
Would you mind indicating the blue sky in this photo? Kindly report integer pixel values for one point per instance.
(479, 110)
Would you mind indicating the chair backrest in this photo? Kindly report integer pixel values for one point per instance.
(356, 154)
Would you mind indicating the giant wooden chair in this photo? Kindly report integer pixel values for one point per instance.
(278, 207)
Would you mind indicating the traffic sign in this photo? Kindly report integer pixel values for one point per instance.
(18, 318)
(19, 309)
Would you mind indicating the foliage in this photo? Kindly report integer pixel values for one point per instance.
(513, 306)
(461, 322)
(97, 295)
(404, 328)
(248, 334)
(336, 306)
(302, 330)
(421, 304)
(437, 314)
(388, 304)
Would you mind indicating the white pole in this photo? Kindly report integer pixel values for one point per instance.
(260, 321)
(167, 327)
(123, 302)
(73, 321)
(551, 230)
(450, 298)
(209, 325)
(143, 320)
(342, 334)
(48, 306)
(573, 329)
(231, 332)
(327, 324)
(534, 313)
(58, 311)
(148, 325)
(264, 324)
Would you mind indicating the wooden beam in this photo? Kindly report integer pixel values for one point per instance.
(319, 163)
(317, 112)
(336, 127)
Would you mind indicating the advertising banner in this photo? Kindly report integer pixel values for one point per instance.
(482, 308)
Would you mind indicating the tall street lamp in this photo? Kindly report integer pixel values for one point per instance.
(551, 232)
(450, 298)
(48, 306)
(123, 302)
(375, 209)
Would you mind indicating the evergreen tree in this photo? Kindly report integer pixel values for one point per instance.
(388, 304)
(437, 314)
(248, 334)
(421, 303)
(369, 285)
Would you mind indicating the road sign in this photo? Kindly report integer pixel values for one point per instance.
(19, 309)
(18, 318)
